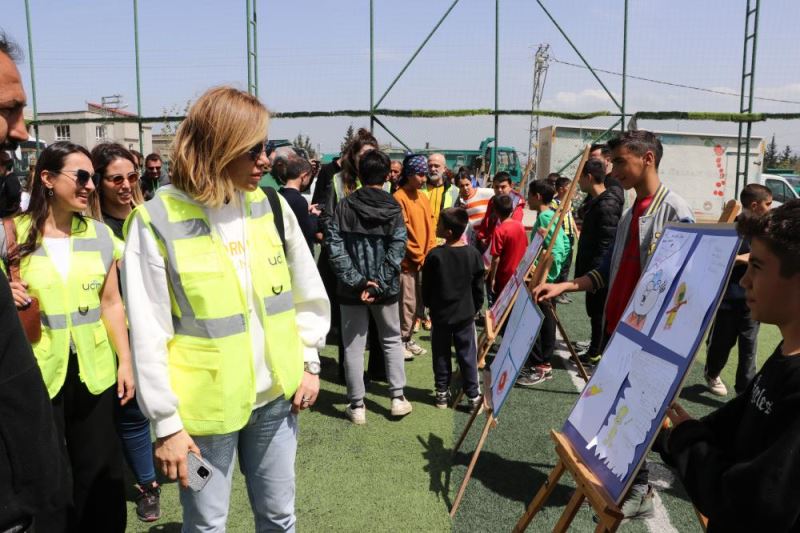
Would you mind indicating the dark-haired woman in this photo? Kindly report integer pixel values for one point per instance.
(115, 196)
(67, 262)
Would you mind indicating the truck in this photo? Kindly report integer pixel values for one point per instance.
(478, 161)
(699, 167)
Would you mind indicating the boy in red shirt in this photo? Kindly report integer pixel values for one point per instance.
(508, 244)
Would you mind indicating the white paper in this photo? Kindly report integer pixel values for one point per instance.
(530, 256)
(648, 297)
(521, 332)
(503, 300)
(695, 293)
(599, 394)
(649, 382)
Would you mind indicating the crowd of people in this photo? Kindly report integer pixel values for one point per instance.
(190, 304)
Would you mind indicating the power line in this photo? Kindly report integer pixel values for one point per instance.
(671, 84)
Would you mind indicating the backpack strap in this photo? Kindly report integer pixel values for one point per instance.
(277, 213)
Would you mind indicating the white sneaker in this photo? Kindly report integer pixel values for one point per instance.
(415, 348)
(407, 355)
(716, 386)
(357, 415)
(400, 406)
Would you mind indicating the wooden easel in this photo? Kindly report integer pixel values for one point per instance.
(608, 513)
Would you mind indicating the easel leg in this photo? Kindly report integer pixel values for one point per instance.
(538, 501)
(471, 467)
(573, 354)
(569, 513)
(463, 436)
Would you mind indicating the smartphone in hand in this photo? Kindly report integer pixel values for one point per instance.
(200, 471)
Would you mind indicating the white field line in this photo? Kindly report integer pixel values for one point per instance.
(660, 477)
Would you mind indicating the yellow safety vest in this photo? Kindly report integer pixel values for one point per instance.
(71, 309)
(210, 357)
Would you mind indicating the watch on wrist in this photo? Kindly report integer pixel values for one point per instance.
(312, 367)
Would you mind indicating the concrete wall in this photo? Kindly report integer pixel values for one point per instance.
(125, 133)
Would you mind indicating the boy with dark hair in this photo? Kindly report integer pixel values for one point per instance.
(508, 244)
(502, 185)
(733, 320)
(740, 464)
(538, 368)
(635, 156)
(452, 287)
(366, 243)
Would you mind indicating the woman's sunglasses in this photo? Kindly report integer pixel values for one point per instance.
(82, 177)
(119, 179)
(255, 151)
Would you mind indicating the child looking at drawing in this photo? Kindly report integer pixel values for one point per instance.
(452, 287)
(508, 244)
(733, 320)
(538, 368)
(741, 464)
(635, 156)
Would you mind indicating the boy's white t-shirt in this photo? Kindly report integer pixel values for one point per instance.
(228, 222)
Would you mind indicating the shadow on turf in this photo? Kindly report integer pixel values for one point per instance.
(439, 466)
(514, 480)
(699, 394)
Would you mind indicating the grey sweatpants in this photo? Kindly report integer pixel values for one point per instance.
(355, 324)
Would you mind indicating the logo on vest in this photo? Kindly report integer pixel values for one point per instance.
(275, 261)
(92, 285)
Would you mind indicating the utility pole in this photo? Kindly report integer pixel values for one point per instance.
(541, 62)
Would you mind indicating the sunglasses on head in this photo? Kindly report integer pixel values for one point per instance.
(119, 179)
(256, 151)
(82, 177)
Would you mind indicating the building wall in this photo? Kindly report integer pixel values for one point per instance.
(125, 133)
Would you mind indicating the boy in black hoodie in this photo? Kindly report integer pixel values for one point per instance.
(741, 464)
(366, 241)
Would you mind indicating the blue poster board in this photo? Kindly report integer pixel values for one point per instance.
(619, 412)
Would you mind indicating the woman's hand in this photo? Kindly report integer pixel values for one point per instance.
(306, 393)
(20, 293)
(125, 386)
(171, 452)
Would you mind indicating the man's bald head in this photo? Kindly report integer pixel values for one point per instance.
(12, 97)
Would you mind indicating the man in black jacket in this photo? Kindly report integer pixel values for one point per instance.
(600, 214)
(34, 479)
(366, 242)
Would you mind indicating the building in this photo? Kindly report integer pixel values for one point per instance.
(100, 127)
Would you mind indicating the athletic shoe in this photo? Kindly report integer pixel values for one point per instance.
(587, 360)
(563, 299)
(442, 399)
(716, 386)
(357, 414)
(407, 355)
(416, 326)
(639, 502)
(400, 406)
(540, 374)
(426, 324)
(581, 345)
(475, 404)
(415, 348)
(148, 503)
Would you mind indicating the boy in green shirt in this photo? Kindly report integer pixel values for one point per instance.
(537, 368)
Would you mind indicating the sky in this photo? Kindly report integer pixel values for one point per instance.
(314, 55)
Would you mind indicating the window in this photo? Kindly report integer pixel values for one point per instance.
(780, 192)
(62, 133)
(100, 133)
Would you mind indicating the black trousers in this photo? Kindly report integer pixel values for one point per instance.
(85, 424)
(595, 304)
(462, 337)
(545, 345)
(733, 324)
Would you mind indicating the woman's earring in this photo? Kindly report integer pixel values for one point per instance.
(50, 192)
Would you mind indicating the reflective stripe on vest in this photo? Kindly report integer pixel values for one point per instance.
(210, 356)
(70, 310)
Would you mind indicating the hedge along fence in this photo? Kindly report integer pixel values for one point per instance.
(450, 113)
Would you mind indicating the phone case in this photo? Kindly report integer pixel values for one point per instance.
(195, 464)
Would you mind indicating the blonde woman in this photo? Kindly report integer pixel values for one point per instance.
(225, 318)
(67, 262)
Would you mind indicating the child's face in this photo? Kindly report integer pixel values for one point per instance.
(761, 208)
(534, 201)
(765, 286)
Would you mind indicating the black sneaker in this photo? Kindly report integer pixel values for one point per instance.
(475, 403)
(539, 375)
(148, 503)
(442, 399)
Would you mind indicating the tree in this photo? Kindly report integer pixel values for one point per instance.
(771, 154)
(171, 126)
(785, 159)
(305, 144)
(348, 136)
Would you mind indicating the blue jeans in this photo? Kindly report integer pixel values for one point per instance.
(266, 448)
(134, 431)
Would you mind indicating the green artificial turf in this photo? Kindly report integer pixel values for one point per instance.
(397, 475)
